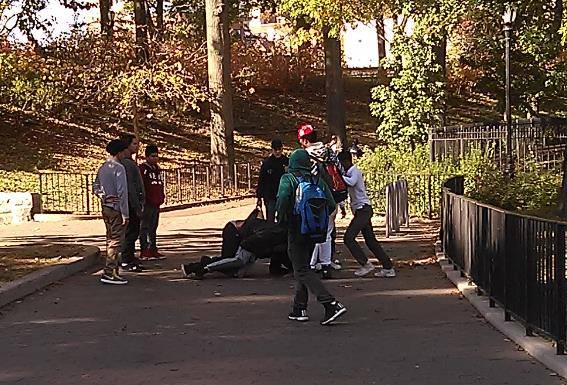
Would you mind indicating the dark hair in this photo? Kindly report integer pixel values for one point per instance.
(277, 143)
(127, 138)
(345, 156)
(115, 146)
(311, 137)
(151, 149)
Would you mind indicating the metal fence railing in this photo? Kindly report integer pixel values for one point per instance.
(423, 191)
(518, 261)
(397, 206)
(541, 139)
(63, 192)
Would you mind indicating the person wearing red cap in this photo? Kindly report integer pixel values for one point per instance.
(319, 153)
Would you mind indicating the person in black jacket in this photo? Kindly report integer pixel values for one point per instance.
(273, 167)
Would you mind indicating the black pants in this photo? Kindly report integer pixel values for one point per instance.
(300, 250)
(132, 234)
(362, 223)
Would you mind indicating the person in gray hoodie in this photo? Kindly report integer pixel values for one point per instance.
(111, 187)
(136, 200)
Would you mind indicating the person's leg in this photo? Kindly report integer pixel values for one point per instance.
(300, 250)
(230, 240)
(154, 223)
(241, 258)
(374, 245)
(270, 210)
(361, 218)
(326, 248)
(145, 224)
(132, 233)
(114, 235)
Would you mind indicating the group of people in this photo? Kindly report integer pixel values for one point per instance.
(301, 196)
(131, 197)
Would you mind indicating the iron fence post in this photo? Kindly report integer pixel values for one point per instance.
(507, 256)
(208, 183)
(560, 306)
(248, 175)
(222, 180)
(87, 194)
(235, 179)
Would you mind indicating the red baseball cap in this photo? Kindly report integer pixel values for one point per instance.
(304, 129)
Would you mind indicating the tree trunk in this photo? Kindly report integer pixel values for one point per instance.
(218, 49)
(441, 58)
(334, 88)
(106, 19)
(380, 34)
(141, 20)
(159, 19)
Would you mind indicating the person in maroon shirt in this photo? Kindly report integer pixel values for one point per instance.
(155, 196)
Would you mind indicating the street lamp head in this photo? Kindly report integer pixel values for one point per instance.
(509, 16)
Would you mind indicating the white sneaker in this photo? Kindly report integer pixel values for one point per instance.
(386, 273)
(316, 267)
(363, 270)
(336, 266)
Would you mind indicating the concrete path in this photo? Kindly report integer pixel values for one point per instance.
(161, 329)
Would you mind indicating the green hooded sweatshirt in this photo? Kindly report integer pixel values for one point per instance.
(299, 164)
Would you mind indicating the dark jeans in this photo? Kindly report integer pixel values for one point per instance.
(132, 234)
(362, 223)
(300, 250)
(148, 228)
(270, 205)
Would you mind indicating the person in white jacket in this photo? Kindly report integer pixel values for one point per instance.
(362, 222)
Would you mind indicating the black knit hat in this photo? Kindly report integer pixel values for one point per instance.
(151, 149)
(115, 146)
(277, 144)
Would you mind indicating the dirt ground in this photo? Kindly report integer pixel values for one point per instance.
(164, 329)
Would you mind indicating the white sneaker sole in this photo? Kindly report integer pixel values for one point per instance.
(300, 319)
(363, 274)
(113, 282)
(334, 317)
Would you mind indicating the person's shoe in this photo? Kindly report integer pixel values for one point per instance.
(185, 270)
(386, 273)
(157, 256)
(113, 278)
(364, 270)
(316, 267)
(132, 267)
(333, 311)
(336, 265)
(326, 272)
(298, 315)
(146, 255)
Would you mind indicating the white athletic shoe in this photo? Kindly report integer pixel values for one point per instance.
(386, 273)
(363, 270)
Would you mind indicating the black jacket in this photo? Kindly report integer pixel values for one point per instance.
(270, 173)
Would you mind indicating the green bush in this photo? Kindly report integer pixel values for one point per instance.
(531, 189)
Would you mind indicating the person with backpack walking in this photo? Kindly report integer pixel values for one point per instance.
(155, 196)
(272, 169)
(111, 187)
(303, 206)
(362, 210)
(324, 167)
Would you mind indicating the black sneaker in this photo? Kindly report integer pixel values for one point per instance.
(298, 315)
(131, 267)
(333, 311)
(113, 278)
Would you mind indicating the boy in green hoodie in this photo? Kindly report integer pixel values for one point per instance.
(300, 247)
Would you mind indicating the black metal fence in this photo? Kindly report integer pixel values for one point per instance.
(423, 191)
(516, 260)
(541, 139)
(397, 206)
(72, 192)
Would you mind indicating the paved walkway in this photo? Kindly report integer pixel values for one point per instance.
(161, 329)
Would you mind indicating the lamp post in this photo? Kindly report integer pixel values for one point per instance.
(509, 17)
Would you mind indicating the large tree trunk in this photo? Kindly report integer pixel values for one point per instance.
(218, 48)
(334, 88)
(380, 34)
(141, 20)
(106, 19)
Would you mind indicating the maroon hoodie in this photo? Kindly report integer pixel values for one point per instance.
(153, 183)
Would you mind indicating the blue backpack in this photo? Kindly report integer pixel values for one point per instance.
(311, 207)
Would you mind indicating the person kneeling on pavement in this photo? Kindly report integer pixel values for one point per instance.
(243, 242)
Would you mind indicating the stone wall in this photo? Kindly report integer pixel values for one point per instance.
(18, 207)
